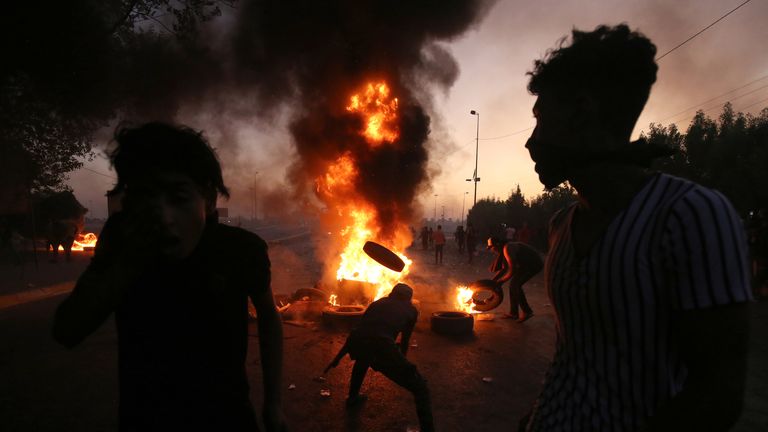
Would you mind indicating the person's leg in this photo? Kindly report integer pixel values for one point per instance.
(514, 298)
(521, 300)
(356, 381)
(407, 376)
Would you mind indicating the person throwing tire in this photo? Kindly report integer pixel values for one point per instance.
(372, 344)
(516, 262)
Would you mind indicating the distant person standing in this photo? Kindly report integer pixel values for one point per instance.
(439, 238)
(471, 242)
(430, 237)
(510, 232)
(647, 273)
(525, 234)
(461, 238)
(424, 236)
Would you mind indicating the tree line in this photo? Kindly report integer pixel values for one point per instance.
(728, 153)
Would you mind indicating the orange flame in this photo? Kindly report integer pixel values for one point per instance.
(83, 241)
(463, 300)
(336, 186)
(356, 264)
(339, 177)
(333, 300)
(379, 111)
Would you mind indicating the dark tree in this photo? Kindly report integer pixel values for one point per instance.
(67, 69)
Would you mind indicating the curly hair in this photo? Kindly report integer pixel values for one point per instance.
(613, 64)
(164, 147)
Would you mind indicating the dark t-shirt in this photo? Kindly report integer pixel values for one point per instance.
(387, 317)
(183, 336)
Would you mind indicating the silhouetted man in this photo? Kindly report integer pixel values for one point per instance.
(178, 283)
(647, 273)
(439, 238)
(471, 237)
(517, 263)
(372, 344)
(461, 238)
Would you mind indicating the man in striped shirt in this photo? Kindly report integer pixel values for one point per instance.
(647, 273)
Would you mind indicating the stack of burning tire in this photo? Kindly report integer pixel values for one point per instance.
(342, 317)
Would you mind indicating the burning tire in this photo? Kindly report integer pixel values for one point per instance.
(309, 294)
(486, 295)
(344, 317)
(452, 323)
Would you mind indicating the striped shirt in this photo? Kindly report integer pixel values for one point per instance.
(677, 246)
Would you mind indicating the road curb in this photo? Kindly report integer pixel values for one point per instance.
(35, 294)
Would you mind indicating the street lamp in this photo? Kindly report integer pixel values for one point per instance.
(475, 178)
(434, 215)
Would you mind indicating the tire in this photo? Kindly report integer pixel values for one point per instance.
(343, 317)
(452, 323)
(383, 256)
(309, 294)
(488, 289)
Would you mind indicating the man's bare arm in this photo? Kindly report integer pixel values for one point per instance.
(506, 273)
(270, 327)
(714, 344)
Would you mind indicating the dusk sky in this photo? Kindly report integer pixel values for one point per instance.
(494, 57)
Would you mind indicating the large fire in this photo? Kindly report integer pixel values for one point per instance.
(83, 241)
(378, 111)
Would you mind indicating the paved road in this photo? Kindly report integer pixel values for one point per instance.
(47, 388)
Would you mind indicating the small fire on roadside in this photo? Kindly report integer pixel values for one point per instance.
(463, 300)
(356, 215)
(83, 242)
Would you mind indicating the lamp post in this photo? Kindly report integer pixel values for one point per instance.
(475, 178)
(434, 215)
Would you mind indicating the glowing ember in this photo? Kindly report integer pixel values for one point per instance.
(464, 299)
(83, 241)
(379, 110)
(333, 300)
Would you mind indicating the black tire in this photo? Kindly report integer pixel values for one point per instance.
(383, 256)
(309, 294)
(343, 317)
(452, 323)
(493, 294)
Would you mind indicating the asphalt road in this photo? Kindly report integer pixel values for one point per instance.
(44, 387)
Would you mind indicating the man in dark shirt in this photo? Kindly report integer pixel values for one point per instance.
(178, 283)
(372, 344)
(516, 262)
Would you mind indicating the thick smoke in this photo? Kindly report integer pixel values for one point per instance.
(317, 54)
(247, 68)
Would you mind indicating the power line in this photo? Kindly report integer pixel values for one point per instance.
(507, 135)
(702, 30)
(756, 103)
(722, 103)
(714, 98)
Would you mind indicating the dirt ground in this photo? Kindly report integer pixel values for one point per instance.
(44, 387)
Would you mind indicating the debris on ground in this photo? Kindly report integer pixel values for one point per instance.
(325, 393)
(292, 387)
(319, 379)
(487, 379)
